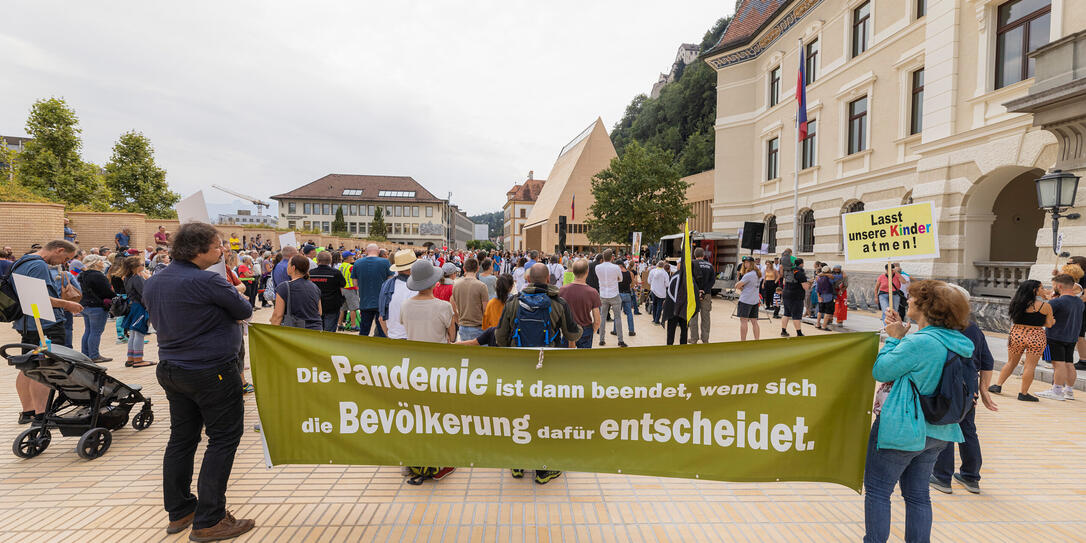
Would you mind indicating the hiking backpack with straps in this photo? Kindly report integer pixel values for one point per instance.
(10, 309)
(532, 321)
(954, 396)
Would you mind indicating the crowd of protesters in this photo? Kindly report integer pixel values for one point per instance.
(196, 289)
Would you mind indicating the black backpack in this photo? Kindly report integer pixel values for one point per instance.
(954, 396)
(10, 309)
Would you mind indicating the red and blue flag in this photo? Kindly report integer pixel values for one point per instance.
(801, 96)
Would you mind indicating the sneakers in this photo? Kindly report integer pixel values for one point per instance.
(622, 344)
(613, 333)
(247, 388)
(227, 528)
(799, 333)
(1027, 398)
(784, 333)
(543, 476)
(441, 473)
(602, 343)
(101, 360)
(1051, 394)
(939, 485)
(632, 333)
(995, 389)
(1068, 393)
(180, 524)
(517, 473)
(971, 486)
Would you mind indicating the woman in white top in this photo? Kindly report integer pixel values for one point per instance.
(750, 279)
(518, 274)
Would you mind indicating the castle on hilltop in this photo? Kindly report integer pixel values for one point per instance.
(688, 52)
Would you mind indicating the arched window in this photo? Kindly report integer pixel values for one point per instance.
(907, 199)
(770, 237)
(851, 207)
(806, 231)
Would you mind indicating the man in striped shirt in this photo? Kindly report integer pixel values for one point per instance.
(348, 314)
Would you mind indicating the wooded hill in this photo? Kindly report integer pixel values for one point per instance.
(681, 119)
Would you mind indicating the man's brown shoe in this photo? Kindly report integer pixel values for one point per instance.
(180, 524)
(227, 528)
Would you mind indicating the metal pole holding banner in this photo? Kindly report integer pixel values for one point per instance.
(795, 189)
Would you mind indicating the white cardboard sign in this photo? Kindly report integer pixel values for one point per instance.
(193, 209)
(33, 291)
(288, 240)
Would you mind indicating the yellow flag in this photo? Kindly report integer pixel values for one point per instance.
(688, 275)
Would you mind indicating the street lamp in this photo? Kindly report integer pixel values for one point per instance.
(1056, 192)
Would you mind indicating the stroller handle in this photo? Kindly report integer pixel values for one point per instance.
(20, 346)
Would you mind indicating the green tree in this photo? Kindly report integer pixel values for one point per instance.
(50, 164)
(136, 184)
(378, 228)
(339, 226)
(641, 191)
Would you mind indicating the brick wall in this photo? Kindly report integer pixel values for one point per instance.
(23, 224)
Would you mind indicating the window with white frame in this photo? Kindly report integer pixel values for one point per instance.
(772, 158)
(774, 86)
(857, 125)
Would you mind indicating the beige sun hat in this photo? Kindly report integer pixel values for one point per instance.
(403, 260)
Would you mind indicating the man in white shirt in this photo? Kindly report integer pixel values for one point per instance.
(609, 275)
(657, 280)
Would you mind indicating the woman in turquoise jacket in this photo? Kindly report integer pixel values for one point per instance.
(903, 447)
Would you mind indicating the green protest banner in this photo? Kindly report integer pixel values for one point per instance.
(775, 410)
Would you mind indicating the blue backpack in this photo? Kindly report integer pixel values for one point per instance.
(954, 396)
(532, 321)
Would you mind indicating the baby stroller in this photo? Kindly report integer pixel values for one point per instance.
(83, 401)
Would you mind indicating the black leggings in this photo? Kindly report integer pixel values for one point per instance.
(681, 324)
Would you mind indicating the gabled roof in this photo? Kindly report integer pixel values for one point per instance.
(528, 192)
(589, 153)
(751, 16)
(331, 187)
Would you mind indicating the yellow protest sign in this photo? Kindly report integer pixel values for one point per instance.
(898, 233)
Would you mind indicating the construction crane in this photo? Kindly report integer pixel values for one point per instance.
(260, 204)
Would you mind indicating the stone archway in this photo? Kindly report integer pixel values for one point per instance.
(1000, 224)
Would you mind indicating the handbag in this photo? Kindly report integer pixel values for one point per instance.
(120, 305)
(289, 320)
(67, 289)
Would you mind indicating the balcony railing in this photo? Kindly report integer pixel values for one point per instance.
(1000, 278)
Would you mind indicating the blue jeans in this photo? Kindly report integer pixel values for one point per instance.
(969, 450)
(329, 322)
(468, 333)
(69, 323)
(657, 308)
(627, 308)
(884, 302)
(94, 323)
(884, 469)
(367, 318)
(586, 338)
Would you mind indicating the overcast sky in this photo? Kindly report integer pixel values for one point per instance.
(263, 97)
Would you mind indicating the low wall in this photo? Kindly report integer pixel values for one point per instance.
(24, 224)
(989, 312)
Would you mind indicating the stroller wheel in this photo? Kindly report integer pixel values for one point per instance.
(31, 442)
(94, 443)
(143, 419)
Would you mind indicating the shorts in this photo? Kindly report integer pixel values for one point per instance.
(1028, 339)
(793, 307)
(826, 308)
(1061, 351)
(747, 311)
(350, 298)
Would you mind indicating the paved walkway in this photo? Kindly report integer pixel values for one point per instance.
(1034, 488)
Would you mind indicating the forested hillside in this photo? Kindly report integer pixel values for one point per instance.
(493, 220)
(681, 119)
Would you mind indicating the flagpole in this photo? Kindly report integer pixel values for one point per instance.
(795, 190)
